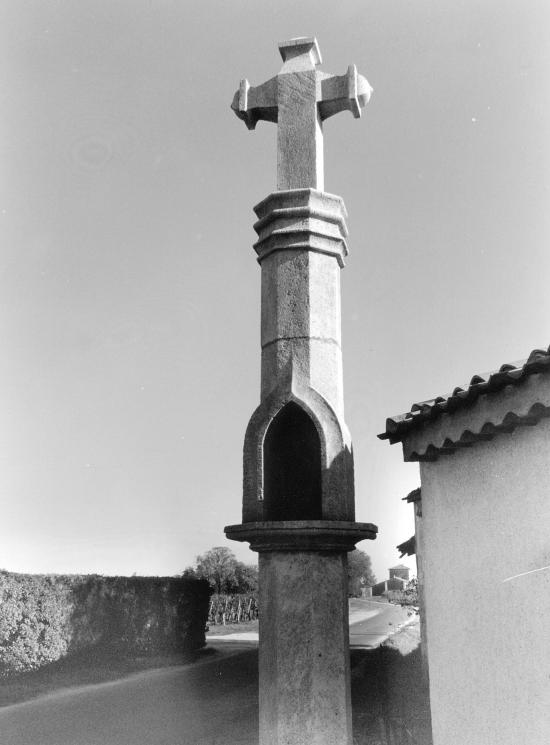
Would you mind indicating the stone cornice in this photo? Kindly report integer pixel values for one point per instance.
(302, 535)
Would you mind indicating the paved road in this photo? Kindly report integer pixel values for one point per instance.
(371, 622)
(210, 702)
(371, 630)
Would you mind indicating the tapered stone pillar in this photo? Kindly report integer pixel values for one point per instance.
(298, 490)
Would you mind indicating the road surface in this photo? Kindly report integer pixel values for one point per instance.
(210, 702)
(371, 622)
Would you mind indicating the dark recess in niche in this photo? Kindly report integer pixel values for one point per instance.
(292, 467)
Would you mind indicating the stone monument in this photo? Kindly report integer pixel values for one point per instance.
(298, 490)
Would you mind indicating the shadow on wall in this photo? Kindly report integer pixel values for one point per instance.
(390, 699)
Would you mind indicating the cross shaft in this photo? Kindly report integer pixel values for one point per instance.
(299, 99)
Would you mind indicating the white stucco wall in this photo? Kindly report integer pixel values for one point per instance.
(486, 519)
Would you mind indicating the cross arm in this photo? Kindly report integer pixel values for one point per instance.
(350, 91)
(252, 103)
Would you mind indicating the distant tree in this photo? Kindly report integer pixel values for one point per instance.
(246, 578)
(225, 574)
(217, 566)
(360, 572)
(411, 593)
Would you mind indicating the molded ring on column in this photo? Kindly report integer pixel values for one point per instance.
(302, 535)
(301, 219)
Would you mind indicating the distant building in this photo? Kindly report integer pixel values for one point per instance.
(400, 571)
(398, 580)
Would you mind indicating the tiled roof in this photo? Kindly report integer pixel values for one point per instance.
(397, 427)
(408, 548)
(414, 496)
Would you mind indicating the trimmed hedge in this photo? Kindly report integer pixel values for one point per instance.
(46, 617)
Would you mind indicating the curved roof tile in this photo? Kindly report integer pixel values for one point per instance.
(397, 427)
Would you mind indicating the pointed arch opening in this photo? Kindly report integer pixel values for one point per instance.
(292, 467)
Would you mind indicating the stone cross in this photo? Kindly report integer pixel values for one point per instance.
(299, 99)
(298, 485)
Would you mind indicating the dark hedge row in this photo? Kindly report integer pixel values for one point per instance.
(45, 617)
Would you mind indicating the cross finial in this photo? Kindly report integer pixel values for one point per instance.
(299, 99)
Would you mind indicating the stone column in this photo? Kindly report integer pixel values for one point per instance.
(301, 521)
(304, 628)
(304, 656)
(298, 489)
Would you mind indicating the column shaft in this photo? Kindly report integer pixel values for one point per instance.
(304, 649)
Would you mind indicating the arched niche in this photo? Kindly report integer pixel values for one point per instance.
(292, 481)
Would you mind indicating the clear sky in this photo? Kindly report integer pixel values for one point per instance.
(130, 293)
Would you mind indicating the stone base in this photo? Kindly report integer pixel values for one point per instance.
(304, 649)
(302, 535)
(304, 636)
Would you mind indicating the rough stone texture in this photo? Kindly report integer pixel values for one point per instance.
(301, 321)
(299, 98)
(301, 535)
(304, 657)
(485, 557)
(298, 492)
(299, 131)
(300, 335)
(301, 218)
